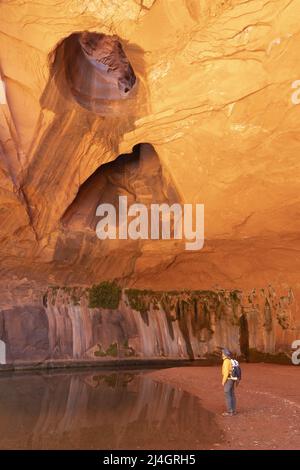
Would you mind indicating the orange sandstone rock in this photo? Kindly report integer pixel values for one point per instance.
(216, 96)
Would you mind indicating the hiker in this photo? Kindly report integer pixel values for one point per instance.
(228, 382)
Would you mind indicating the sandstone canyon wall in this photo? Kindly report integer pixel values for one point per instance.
(190, 101)
(150, 325)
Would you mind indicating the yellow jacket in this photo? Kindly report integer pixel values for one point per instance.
(226, 369)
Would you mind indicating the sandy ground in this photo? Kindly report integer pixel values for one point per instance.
(268, 403)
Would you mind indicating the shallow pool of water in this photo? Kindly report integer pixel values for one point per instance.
(100, 410)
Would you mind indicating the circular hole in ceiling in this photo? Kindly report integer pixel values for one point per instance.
(97, 69)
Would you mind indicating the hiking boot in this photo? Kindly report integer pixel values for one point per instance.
(227, 413)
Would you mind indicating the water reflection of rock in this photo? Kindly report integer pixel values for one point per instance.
(100, 411)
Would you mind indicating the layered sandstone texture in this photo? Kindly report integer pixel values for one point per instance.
(191, 101)
(104, 324)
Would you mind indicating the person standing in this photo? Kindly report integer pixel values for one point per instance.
(228, 383)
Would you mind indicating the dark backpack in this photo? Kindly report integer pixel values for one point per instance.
(236, 372)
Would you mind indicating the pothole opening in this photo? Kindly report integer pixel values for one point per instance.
(97, 69)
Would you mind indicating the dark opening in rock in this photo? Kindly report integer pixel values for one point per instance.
(97, 68)
(137, 175)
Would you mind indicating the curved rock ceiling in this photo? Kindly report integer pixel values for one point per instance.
(217, 97)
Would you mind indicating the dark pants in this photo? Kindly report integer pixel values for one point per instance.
(230, 395)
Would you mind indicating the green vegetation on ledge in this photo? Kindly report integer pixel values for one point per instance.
(112, 350)
(105, 295)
